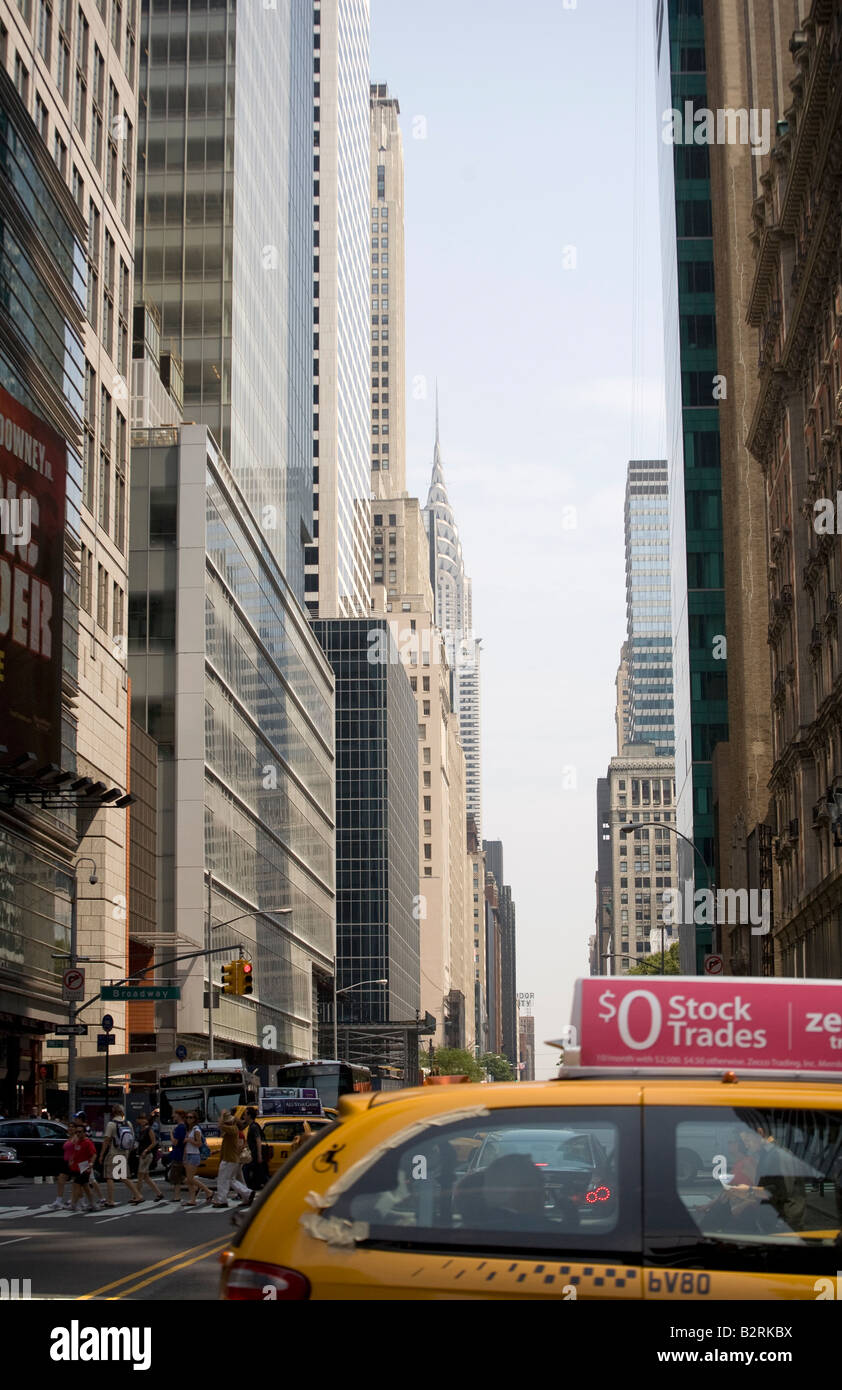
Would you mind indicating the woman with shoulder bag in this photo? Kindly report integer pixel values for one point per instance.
(192, 1158)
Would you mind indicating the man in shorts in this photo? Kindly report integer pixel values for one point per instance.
(115, 1158)
(79, 1155)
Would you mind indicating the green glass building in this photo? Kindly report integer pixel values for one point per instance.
(692, 396)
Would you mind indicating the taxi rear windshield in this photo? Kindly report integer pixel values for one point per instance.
(523, 1179)
(744, 1187)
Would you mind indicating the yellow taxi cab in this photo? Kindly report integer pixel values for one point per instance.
(652, 1168)
(282, 1134)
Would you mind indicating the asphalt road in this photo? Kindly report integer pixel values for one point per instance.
(149, 1252)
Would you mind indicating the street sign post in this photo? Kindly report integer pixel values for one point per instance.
(112, 994)
(181, 1052)
(714, 965)
(105, 1041)
(70, 1030)
(73, 985)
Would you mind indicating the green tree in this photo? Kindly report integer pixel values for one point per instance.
(499, 1067)
(651, 965)
(453, 1061)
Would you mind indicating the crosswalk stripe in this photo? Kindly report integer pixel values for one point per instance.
(49, 1212)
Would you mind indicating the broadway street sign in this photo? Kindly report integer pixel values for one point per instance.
(114, 993)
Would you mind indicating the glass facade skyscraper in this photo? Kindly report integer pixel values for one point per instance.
(339, 562)
(224, 238)
(649, 651)
(229, 680)
(377, 917)
(698, 597)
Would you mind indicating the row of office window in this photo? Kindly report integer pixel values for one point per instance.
(104, 601)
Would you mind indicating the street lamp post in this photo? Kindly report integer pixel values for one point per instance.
(336, 993)
(629, 828)
(624, 955)
(74, 934)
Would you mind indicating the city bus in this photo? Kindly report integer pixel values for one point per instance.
(206, 1087)
(330, 1079)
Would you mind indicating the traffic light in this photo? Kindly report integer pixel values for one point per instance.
(230, 977)
(247, 977)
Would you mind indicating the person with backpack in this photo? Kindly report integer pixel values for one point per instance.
(256, 1173)
(147, 1155)
(117, 1144)
(195, 1149)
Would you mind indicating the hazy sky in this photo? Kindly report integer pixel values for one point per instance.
(540, 136)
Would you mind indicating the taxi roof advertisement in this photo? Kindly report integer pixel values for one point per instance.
(33, 471)
(676, 1021)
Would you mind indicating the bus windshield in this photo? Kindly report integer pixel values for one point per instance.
(207, 1093)
(331, 1079)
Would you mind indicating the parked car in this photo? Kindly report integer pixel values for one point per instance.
(10, 1164)
(39, 1144)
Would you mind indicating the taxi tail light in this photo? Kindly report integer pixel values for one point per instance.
(251, 1282)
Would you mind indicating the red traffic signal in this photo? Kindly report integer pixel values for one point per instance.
(248, 977)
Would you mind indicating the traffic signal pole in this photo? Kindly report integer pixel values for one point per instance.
(210, 966)
(71, 1008)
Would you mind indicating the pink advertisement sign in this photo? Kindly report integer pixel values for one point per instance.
(792, 1025)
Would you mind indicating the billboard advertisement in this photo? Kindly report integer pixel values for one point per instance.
(33, 474)
(694, 1022)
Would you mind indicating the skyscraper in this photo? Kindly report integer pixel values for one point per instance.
(454, 616)
(508, 951)
(227, 676)
(388, 298)
(339, 558)
(377, 917)
(650, 690)
(74, 63)
(692, 388)
(224, 241)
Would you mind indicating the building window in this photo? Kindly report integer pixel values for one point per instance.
(45, 29)
(63, 69)
(22, 80)
(60, 154)
(102, 596)
(117, 613)
(42, 120)
(85, 596)
(428, 851)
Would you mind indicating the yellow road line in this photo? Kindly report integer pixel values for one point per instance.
(164, 1274)
(136, 1273)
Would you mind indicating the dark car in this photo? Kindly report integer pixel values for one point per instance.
(579, 1182)
(10, 1164)
(39, 1144)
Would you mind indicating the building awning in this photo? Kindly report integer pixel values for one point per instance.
(123, 1064)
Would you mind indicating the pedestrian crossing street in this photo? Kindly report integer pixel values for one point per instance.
(120, 1212)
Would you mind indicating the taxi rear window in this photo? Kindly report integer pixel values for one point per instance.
(544, 1179)
(744, 1187)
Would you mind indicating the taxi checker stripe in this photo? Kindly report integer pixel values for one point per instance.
(136, 1273)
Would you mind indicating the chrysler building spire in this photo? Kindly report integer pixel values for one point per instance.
(454, 616)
